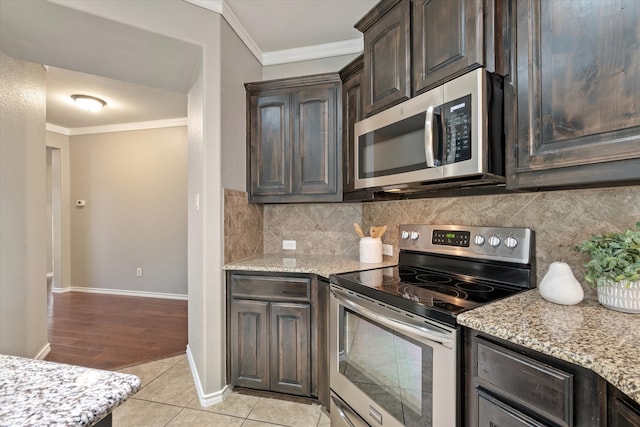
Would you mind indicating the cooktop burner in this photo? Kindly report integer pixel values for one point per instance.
(451, 292)
(449, 271)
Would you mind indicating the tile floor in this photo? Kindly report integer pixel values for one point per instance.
(168, 398)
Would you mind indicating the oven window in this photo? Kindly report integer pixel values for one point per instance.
(393, 370)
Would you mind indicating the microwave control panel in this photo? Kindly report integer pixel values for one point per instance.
(456, 119)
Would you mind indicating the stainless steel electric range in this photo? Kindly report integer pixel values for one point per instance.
(395, 344)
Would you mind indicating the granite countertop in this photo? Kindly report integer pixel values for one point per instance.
(586, 334)
(36, 392)
(322, 265)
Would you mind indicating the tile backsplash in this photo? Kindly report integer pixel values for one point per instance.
(560, 219)
(243, 226)
(322, 228)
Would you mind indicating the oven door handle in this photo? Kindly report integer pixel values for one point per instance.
(341, 412)
(392, 320)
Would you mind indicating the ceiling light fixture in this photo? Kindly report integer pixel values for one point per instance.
(89, 103)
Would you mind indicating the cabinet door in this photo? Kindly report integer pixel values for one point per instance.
(316, 151)
(574, 94)
(290, 348)
(249, 345)
(447, 40)
(270, 149)
(352, 112)
(387, 60)
(622, 411)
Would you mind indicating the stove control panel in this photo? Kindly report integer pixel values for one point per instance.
(509, 244)
(450, 238)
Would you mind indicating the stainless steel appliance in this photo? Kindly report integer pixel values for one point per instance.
(395, 345)
(452, 134)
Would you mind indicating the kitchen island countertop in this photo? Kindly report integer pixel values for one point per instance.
(586, 334)
(322, 265)
(35, 392)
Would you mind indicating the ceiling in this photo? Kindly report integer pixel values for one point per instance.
(266, 25)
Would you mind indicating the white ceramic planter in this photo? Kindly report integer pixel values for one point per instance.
(621, 296)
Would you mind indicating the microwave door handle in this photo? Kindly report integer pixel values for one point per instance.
(428, 137)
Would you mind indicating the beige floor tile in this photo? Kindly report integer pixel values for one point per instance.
(285, 413)
(236, 404)
(181, 358)
(148, 371)
(168, 398)
(140, 413)
(252, 423)
(325, 421)
(191, 417)
(174, 387)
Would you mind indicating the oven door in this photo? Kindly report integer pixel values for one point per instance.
(391, 367)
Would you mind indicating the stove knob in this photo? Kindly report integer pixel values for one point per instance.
(494, 241)
(478, 240)
(405, 235)
(510, 242)
(415, 235)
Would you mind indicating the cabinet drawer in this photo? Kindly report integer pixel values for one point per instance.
(492, 412)
(271, 288)
(531, 384)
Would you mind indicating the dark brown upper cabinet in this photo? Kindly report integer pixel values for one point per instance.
(573, 95)
(294, 140)
(387, 54)
(352, 112)
(413, 46)
(448, 39)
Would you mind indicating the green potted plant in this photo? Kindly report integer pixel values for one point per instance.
(614, 268)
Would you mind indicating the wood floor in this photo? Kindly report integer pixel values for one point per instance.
(113, 331)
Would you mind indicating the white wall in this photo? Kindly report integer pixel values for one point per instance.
(187, 23)
(135, 188)
(60, 169)
(238, 67)
(23, 286)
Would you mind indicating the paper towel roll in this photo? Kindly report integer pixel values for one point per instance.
(370, 250)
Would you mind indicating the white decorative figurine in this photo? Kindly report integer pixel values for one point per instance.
(560, 286)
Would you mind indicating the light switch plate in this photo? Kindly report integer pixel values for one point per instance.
(387, 250)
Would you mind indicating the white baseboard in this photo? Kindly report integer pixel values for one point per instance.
(43, 353)
(121, 292)
(205, 399)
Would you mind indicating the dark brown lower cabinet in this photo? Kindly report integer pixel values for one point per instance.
(249, 344)
(272, 332)
(494, 412)
(289, 348)
(622, 411)
(509, 385)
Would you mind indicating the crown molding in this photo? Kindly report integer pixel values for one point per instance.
(241, 31)
(326, 50)
(319, 51)
(121, 127)
(214, 5)
(57, 129)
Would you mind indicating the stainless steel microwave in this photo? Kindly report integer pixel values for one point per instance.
(452, 135)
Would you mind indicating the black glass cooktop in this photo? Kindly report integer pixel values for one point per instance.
(425, 291)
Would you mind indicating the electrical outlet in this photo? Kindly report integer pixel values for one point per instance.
(289, 244)
(387, 250)
(139, 272)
